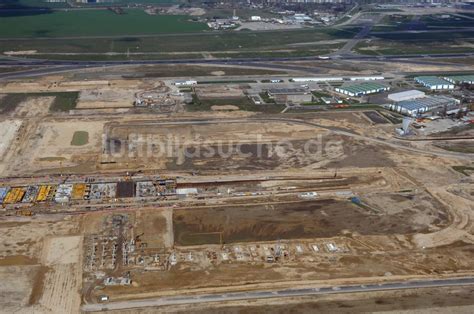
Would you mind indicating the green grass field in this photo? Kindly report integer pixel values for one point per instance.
(241, 42)
(417, 43)
(32, 4)
(63, 101)
(9, 102)
(434, 21)
(465, 170)
(80, 138)
(95, 23)
(243, 103)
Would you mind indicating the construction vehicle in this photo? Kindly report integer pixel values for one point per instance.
(24, 212)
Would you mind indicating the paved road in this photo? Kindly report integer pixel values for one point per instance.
(54, 66)
(222, 60)
(366, 29)
(454, 29)
(249, 295)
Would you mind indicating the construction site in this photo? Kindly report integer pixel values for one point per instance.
(128, 196)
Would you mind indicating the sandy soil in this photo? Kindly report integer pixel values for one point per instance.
(15, 287)
(40, 270)
(219, 92)
(34, 107)
(156, 226)
(62, 283)
(58, 83)
(48, 145)
(61, 250)
(224, 108)
(8, 131)
(106, 98)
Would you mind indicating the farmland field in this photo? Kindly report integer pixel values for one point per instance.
(63, 101)
(94, 23)
(421, 43)
(33, 4)
(241, 42)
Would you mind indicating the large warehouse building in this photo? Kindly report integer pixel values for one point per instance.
(366, 78)
(316, 79)
(290, 95)
(421, 105)
(460, 79)
(185, 83)
(434, 83)
(406, 95)
(362, 89)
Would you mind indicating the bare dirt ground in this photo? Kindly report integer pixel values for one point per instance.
(39, 267)
(224, 108)
(8, 129)
(305, 219)
(219, 92)
(106, 98)
(63, 282)
(372, 67)
(156, 227)
(47, 145)
(414, 217)
(34, 107)
(58, 83)
(182, 147)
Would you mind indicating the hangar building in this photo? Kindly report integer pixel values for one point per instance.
(434, 83)
(362, 89)
(421, 105)
(406, 95)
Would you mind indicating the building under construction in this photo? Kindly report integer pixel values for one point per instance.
(82, 191)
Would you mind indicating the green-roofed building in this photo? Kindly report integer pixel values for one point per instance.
(362, 89)
(433, 82)
(460, 79)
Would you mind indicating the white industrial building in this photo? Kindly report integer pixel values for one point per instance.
(186, 191)
(331, 100)
(366, 78)
(406, 95)
(434, 83)
(421, 105)
(316, 79)
(185, 83)
(336, 79)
